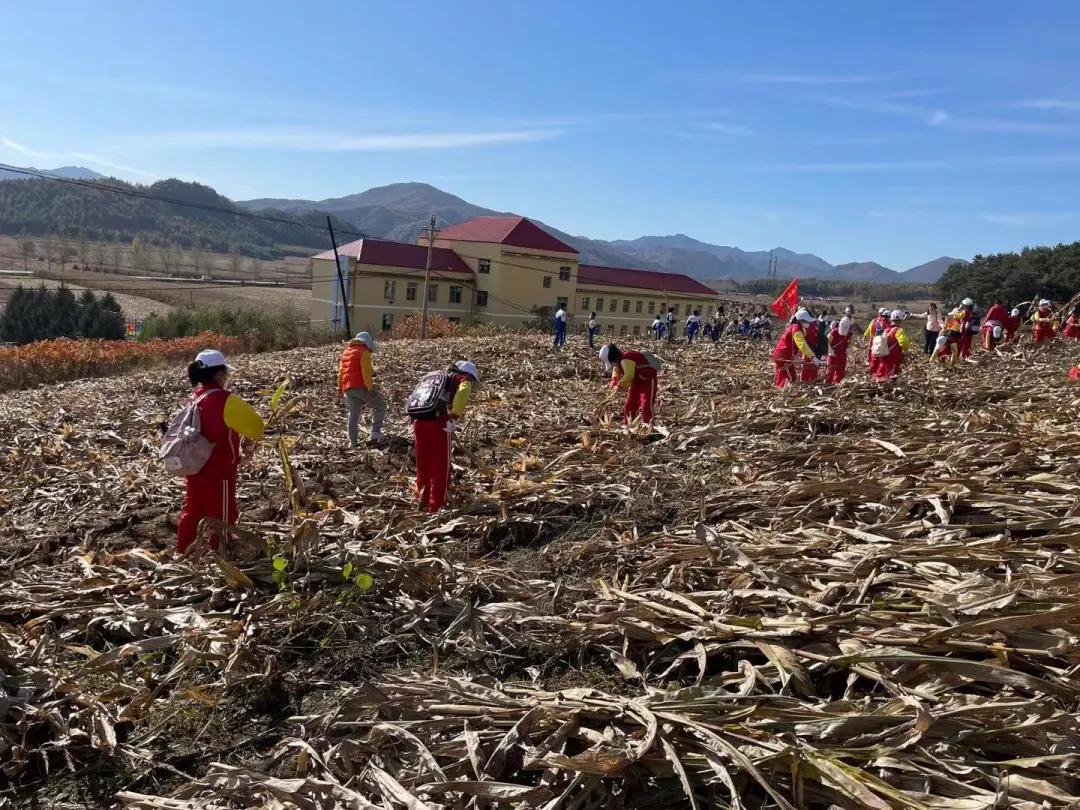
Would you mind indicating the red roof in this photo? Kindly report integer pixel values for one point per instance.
(514, 231)
(645, 279)
(400, 254)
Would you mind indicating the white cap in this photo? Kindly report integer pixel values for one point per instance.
(1016, 312)
(1044, 303)
(883, 311)
(605, 353)
(803, 315)
(211, 358)
(366, 339)
(465, 367)
(897, 315)
(967, 302)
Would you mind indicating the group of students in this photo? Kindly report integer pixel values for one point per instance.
(806, 344)
(230, 429)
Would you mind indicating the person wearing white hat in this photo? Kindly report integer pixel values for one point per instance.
(232, 426)
(1044, 322)
(874, 328)
(635, 373)
(897, 342)
(356, 385)
(791, 341)
(435, 406)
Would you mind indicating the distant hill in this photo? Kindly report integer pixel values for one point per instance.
(69, 172)
(932, 270)
(865, 271)
(397, 211)
(45, 207)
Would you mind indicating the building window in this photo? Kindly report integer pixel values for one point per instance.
(626, 305)
(389, 287)
(432, 293)
(689, 309)
(564, 274)
(454, 320)
(585, 304)
(638, 307)
(410, 291)
(547, 281)
(611, 329)
(637, 331)
(481, 298)
(622, 330)
(562, 302)
(455, 295)
(484, 266)
(387, 321)
(614, 305)
(652, 307)
(599, 305)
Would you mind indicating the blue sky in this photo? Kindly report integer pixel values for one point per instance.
(888, 131)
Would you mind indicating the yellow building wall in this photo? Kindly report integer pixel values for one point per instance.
(515, 283)
(380, 296)
(635, 308)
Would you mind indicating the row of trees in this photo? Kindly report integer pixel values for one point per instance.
(41, 207)
(44, 314)
(1047, 272)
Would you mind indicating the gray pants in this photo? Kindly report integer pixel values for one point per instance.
(357, 398)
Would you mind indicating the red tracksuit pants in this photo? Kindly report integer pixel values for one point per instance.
(836, 367)
(640, 399)
(784, 374)
(205, 497)
(433, 449)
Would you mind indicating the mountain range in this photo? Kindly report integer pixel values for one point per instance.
(400, 210)
(67, 172)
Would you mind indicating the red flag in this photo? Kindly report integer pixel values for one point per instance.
(786, 303)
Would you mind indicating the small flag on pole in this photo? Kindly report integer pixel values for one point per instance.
(788, 300)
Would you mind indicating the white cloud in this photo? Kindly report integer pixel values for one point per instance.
(1028, 219)
(314, 141)
(68, 157)
(1068, 105)
(723, 128)
(991, 161)
(943, 119)
(809, 78)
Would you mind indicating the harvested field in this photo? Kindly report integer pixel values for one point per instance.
(861, 597)
(134, 307)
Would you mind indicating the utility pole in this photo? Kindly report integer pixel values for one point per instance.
(341, 281)
(427, 276)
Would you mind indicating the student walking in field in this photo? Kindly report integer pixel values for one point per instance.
(356, 385)
(435, 406)
(592, 329)
(232, 427)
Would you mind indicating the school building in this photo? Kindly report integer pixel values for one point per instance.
(493, 269)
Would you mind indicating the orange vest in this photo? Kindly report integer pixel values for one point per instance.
(351, 371)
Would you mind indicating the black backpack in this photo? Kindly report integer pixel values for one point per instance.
(432, 396)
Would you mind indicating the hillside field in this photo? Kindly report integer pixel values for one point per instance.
(859, 597)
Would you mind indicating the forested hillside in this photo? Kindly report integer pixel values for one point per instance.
(39, 207)
(1048, 272)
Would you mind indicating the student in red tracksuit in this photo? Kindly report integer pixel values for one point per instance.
(791, 341)
(435, 437)
(232, 426)
(809, 371)
(631, 372)
(839, 338)
(993, 325)
(876, 327)
(1044, 322)
(1072, 325)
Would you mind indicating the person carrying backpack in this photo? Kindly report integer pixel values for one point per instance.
(792, 342)
(231, 427)
(636, 373)
(876, 327)
(897, 342)
(356, 386)
(435, 406)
